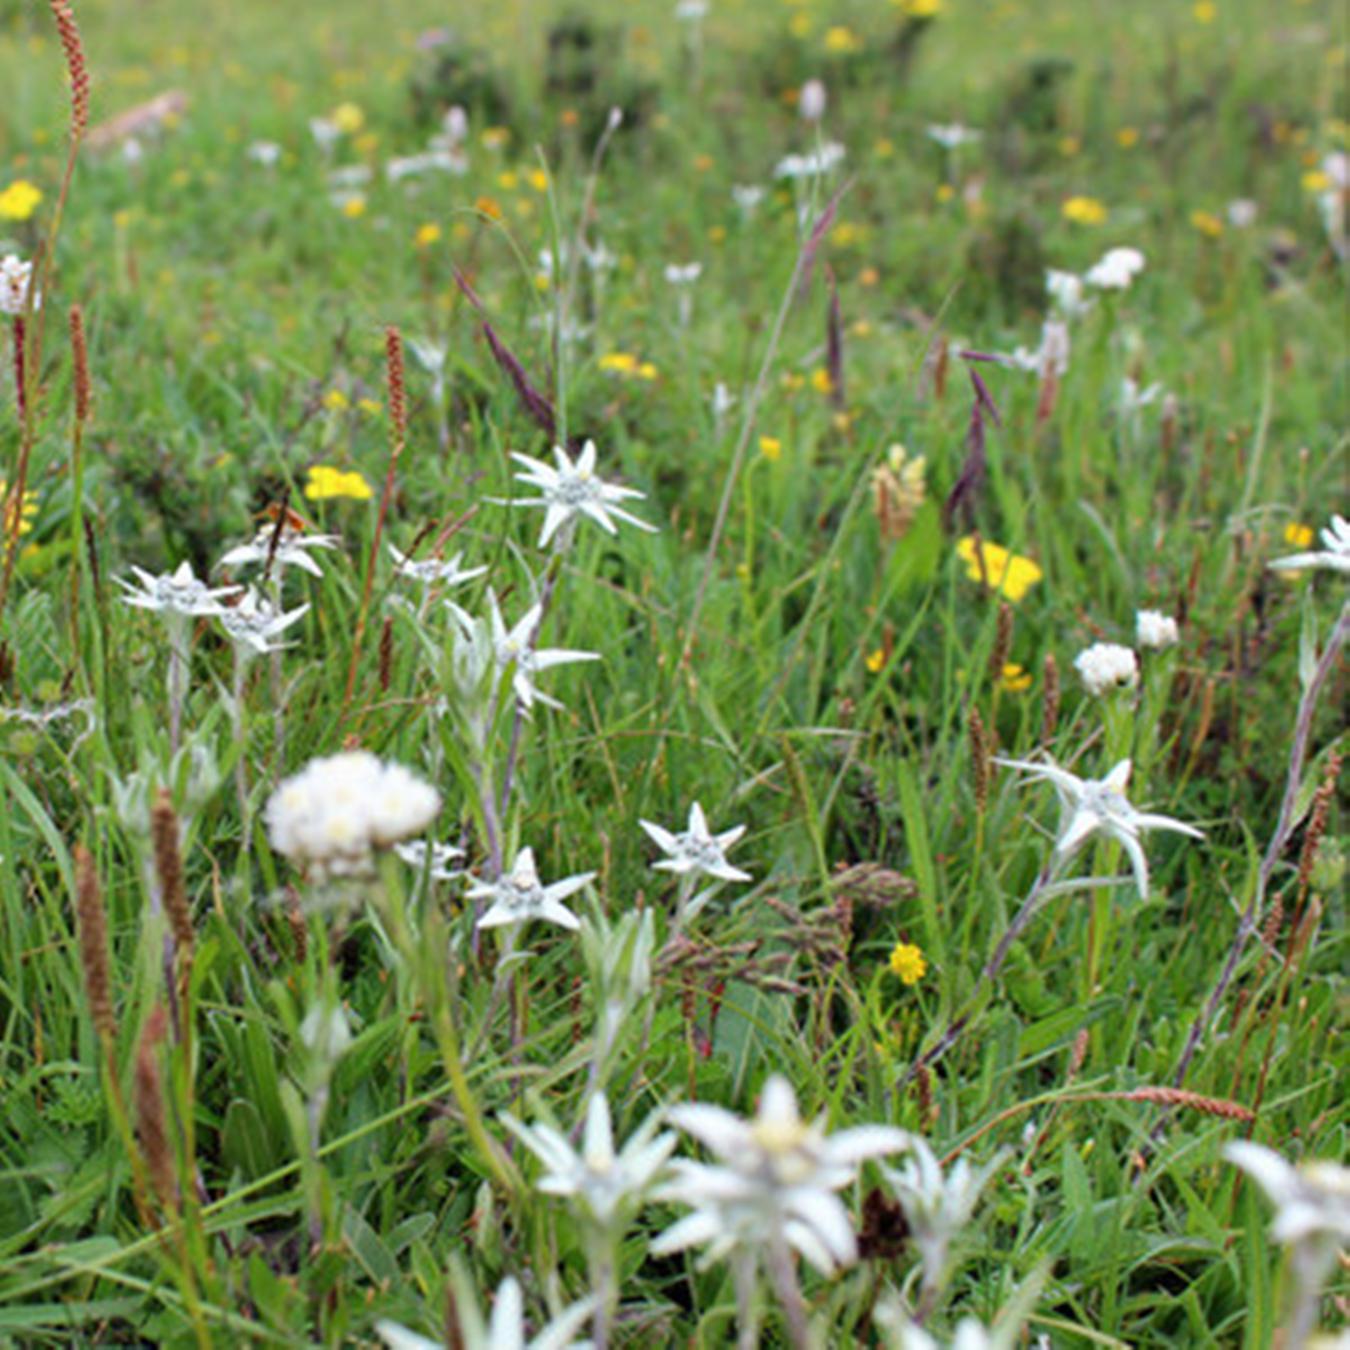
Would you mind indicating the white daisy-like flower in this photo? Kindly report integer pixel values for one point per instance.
(1154, 629)
(936, 1208)
(696, 849)
(813, 165)
(1335, 554)
(606, 1186)
(292, 549)
(691, 11)
(439, 159)
(1242, 213)
(747, 197)
(570, 490)
(520, 896)
(177, 592)
(326, 133)
(1092, 806)
(1116, 269)
(446, 572)
(1134, 396)
(505, 1330)
(255, 621)
(334, 814)
(1065, 290)
(775, 1174)
(438, 859)
(683, 274)
(16, 276)
(266, 153)
(952, 135)
(1105, 666)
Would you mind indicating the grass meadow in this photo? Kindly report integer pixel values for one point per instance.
(846, 850)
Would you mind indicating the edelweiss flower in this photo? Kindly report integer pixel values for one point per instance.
(1154, 629)
(1051, 355)
(417, 851)
(519, 896)
(1107, 665)
(1116, 270)
(603, 1183)
(951, 136)
(255, 621)
(506, 1330)
(290, 551)
(1312, 1201)
(178, 592)
(696, 850)
(574, 489)
(1336, 554)
(429, 570)
(776, 1175)
(338, 810)
(936, 1208)
(16, 276)
(1092, 805)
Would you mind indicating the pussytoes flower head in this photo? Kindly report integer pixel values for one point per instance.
(572, 490)
(1105, 666)
(334, 814)
(1334, 554)
(1153, 628)
(1090, 806)
(776, 1174)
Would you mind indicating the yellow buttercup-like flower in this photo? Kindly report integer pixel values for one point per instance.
(1300, 536)
(326, 482)
(427, 235)
(1007, 573)
(1015, 679)
(1084, 211)
(348, 118)
(26, 512)
(19, 200)
(907, 961)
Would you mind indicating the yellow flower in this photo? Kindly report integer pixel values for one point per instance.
(840, 39)
(19, 200)
(369, 406)
(1205, 11)
(335, 400)
(354, 206)
(820, 380)
(489, 207)
(907, 961)
(427, 235)
(326, 481)
(1207, 223)
(799, 25)
(1299, 536)
(1007, 573)
(919, 9)
(703, 163)
(875, 660)
(1316, 180)
(625, 363)
(538, 180)
(348, 118)
(26, 512)
(1084, 211)
(508, 180)
(1127, 138)
(1015, 679)
(495, 137)
(945, 192)
(717, 234)
(771, 448)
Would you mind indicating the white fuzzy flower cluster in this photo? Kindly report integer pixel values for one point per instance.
(1105, 666)
(1156, 630)
(334, 814)
(1116, 269)
(16, 276)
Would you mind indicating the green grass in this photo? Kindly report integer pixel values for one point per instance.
(797, 673)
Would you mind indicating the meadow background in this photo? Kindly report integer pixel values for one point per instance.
(832, 679)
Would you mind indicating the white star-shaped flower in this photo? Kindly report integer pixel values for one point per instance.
(291, 550)
(442, 857)
(571, 490)
(1336, 554)
(255, 621)
(504, 1331)
(520, 896)
(1311, 1201)
(1090, 806)
(775, 1174)
(696, 849)
(448, 572)
(605, 1184)
(515, 648)
(177, 592)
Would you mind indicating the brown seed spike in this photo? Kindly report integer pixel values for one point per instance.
(394, 378)
(998, 657)
(1050, 711)
(69, 32)
(79, 351)
(980, 758)
(169, 870)
(151, 1123)
(93, 928)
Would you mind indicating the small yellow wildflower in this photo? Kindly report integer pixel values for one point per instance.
(646, 371)
(335, 400)
(841, 40)
(1299, 536)
(1015, 679)
(1316, 180)
(799, 25)
(875, 660)
(19, 200)
(884, 148)
(1007, 573)
(354, 207)
(907, 961)
(703, 163)
(326, 482)
(1205, 11)
(508, 180)
(1127, 138)
(945, 192)
(366, 145)
(625, 363)
(371, 407)
(820, 380)
(1084, 211)
(1207, 223)
(348, 118)
(26, 512)
(919, 9)
(495, 137)
(489, 207)
(771, 448)
(717, 234)
(538, 180)
(427, 235)
(869, 276)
